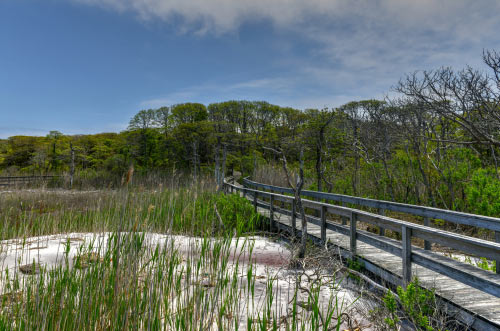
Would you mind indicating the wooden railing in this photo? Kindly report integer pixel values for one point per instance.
(19, 180)
(477, 278)
(428, 213)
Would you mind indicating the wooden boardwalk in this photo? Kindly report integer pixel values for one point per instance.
(477, 306)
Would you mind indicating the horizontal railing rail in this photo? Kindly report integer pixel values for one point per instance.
(6, 178)
(25, 178)
(486, 222)
(6, 181)
(472, 276)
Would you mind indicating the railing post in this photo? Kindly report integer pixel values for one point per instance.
(381, 230)
(352, 244)
(406, 255)
(255, 200)
(344, 219)
(271, 212)
(427, 244)
(323, 224)
(294, 218)
(497, 239)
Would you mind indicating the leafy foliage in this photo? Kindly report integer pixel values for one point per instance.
(415, 304)
(400, 152)
(483, 193)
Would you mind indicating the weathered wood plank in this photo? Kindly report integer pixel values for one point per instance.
(471, 288)
(381, 230)
(406, 255)
(427, 244)
(352, 234)
(323, 224)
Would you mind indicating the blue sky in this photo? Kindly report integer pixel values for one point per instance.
(87, 66)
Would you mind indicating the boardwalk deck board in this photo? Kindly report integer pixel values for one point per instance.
(471, 300)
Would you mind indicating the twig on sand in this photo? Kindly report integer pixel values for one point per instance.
(372, 283)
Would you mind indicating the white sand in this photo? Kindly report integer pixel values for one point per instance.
(270, 262)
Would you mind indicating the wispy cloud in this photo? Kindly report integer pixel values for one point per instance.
(356, 49)
(464, 17)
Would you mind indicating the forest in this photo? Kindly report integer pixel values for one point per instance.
(434, 142)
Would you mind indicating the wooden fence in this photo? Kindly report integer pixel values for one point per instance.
(469, 245)
(23, 180)
(428, 213)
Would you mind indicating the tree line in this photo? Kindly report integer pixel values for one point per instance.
(435, 143)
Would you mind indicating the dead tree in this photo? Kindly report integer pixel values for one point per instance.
(469, 98)
(297, 190)
(317, 128)
(353, 113)
(217, 163)
(378, 136)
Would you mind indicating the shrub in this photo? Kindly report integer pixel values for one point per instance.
(417, 305)
(483, 193)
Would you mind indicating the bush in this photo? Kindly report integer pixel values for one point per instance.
(416, 305)
(237, 213)
(483, 193)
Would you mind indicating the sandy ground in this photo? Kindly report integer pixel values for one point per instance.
(270, 262)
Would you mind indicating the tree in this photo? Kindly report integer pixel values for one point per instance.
(379, 136)
(189, 113)
(54, 137)
(143, 121)
(468, 97)
(296, 188)
(224, 132)
(317, 126)
(20, 151)
(191, 133)
(353, 113)
(162, 119)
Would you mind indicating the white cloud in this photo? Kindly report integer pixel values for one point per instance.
(357, 49)
(465, 17)
(357, 35)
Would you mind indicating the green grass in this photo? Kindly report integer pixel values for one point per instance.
(133, 286)
(175, 210)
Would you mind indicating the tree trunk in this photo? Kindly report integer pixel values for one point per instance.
(318, 167)
(72, 169)
(254, 175)
(355, 183)
(389, 178)
(223, 173)
(425, 179)
(195, 160)
(300, 183)
(217, 163)
(415, 181)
